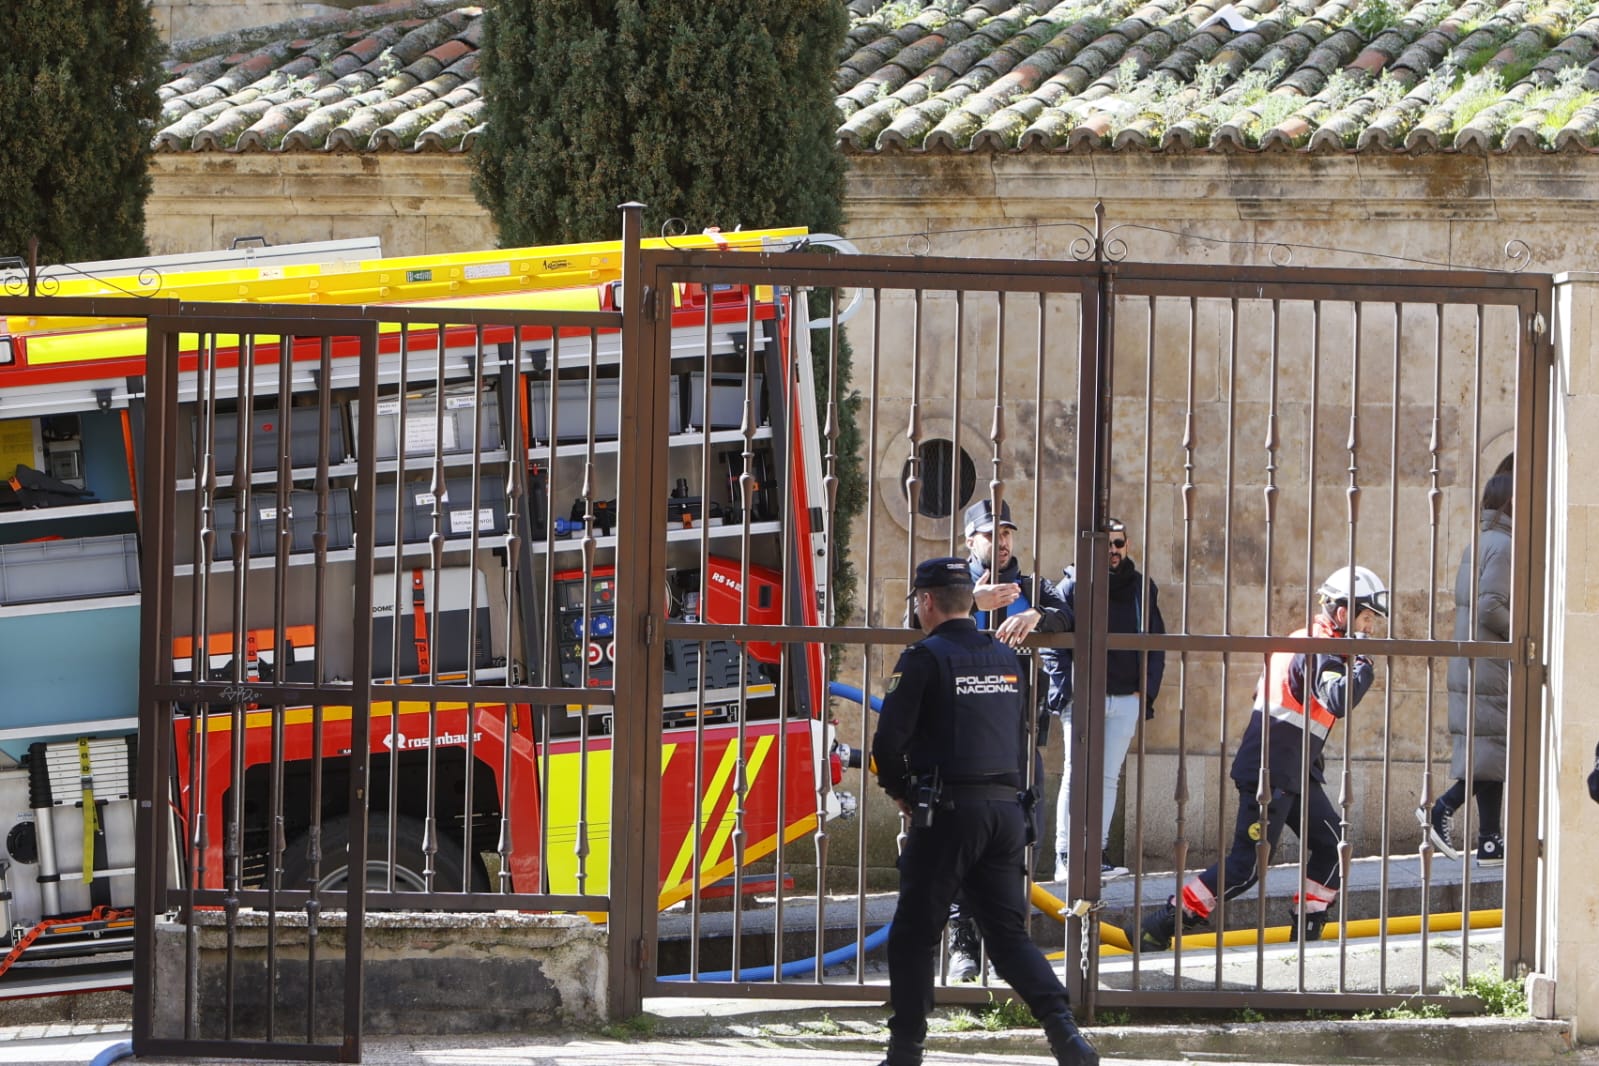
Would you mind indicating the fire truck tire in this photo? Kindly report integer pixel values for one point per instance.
(409, 862)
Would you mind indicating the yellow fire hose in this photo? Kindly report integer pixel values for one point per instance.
(1112, 941)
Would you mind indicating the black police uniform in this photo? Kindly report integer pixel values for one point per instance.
(953, 706)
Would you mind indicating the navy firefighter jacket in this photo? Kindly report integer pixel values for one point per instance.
(954, 702)
(1297, 702)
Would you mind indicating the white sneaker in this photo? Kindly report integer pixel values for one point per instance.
(1108, 872)
(1060, 869)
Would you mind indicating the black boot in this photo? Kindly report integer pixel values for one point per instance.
(902, 1053)
(1070, 1047)
(1160, 926)
(1315, 922)
(965, 949)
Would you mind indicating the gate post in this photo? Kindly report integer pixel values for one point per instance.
(641, 559)
(1091, 562)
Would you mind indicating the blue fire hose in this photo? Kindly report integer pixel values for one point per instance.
(800, 967)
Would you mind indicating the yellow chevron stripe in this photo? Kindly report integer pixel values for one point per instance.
(713, 793)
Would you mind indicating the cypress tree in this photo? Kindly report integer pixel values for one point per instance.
(716, 112)
(77, 106)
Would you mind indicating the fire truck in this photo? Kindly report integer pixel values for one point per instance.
(266, 465)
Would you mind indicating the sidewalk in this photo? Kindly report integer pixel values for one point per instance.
(692, 1032)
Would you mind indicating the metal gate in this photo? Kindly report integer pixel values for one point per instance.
(1251, 430)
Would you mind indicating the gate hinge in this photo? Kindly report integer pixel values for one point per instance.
(656, 306)
(649, 630)
(1536, 324)
(641, 954)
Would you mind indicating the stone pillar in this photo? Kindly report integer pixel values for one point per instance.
(1570, 956)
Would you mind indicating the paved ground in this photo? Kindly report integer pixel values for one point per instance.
(685, 1032)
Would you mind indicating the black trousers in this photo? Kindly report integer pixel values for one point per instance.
(1320, 843)
(1490, 797)
(976, 848)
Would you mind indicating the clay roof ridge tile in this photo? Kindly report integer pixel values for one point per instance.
(1581, 130)
(453, 131)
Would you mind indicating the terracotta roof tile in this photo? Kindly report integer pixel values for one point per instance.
(949, 76)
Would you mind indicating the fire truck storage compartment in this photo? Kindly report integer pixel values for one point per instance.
(424, 431)
(42, 821)
(78, 662)
(572, 410)
(69, 569)
(263, 530)
(260, 656)
(727, 400)
(305, 438)
(456, 521)
(446, 646)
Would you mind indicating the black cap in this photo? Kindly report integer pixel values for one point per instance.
(980, 516)
(951, 571)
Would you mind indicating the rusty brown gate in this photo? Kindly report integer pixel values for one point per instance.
(368, 602)
(1249, 430)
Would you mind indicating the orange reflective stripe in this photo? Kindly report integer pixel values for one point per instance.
(1279, 697)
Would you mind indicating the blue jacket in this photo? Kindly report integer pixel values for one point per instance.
(1126, 615)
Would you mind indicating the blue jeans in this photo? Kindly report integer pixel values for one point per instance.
(1121, 725)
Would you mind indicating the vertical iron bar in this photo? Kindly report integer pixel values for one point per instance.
(640, 544)
(155, 801)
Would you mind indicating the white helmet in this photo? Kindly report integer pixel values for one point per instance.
(1369, 593)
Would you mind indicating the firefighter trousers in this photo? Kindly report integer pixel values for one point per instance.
(1320, 843)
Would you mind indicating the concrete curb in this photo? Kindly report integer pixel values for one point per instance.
(1456, 1041)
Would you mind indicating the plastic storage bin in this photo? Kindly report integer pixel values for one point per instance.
(727, 400)
(264, 522)
(305, 438)
(423, 429)
(572, 409)
(447, 645)
(457, 518)
(69, 569)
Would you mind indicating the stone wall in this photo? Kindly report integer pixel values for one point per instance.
(425, 973)
(418, 204)
(181, 20)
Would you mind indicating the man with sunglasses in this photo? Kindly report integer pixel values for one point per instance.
(1299, 699)
(1131, 678)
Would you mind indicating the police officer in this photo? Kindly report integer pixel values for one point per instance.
(951, 750)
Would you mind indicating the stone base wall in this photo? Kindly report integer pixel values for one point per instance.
(181, 20)
(433, 974)
(417, 204)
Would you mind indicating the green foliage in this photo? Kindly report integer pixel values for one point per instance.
(638, 1027)
(1113, 1017)
(717, 112)
(1006, 1014)
(77, 106)
(1480, 92)
(1501, 997)
(1250, 1016)
(960, 1021)
(1562, 112)
(1404, 1011)
(1373, 17)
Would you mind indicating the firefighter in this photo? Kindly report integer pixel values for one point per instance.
(1297, 693)
(951, 750)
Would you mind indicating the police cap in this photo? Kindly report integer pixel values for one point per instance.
(951, 571)
(980, 516)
